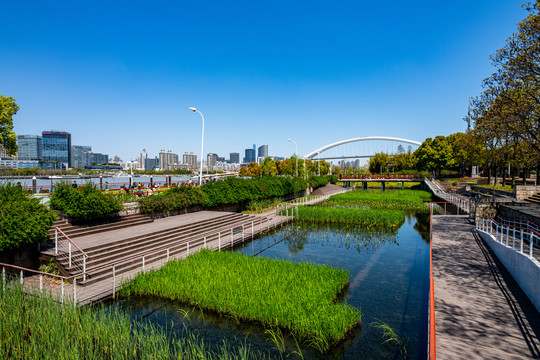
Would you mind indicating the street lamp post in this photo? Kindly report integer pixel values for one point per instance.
(202, 142)
(296, 154)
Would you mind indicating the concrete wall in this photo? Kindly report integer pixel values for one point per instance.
(522, 192)
(526, 271)
(484, 190)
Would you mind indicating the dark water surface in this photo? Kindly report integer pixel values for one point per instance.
(388, 282)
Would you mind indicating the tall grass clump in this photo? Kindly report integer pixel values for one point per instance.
(368, 218)
(298, 297)
(34, 326)
(407, 200)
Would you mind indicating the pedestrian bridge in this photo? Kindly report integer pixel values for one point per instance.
(363, 147)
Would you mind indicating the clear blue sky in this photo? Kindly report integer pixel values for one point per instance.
(120, 75)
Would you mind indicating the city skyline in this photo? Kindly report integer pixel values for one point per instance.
(259, 74)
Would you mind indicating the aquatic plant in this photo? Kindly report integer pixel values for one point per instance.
(407, 200)
(367, 217)
(294, 296)
(391, 337)
(34, 326)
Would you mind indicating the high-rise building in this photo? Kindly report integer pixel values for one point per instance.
(116, 159)
(77, 157)
(30, 147)
(211, 159)
(250, 156)
(234, 158)
(92, 158)
(167, 160)
(57, 147)
(189, 159)
(151, 164)
(144, 156)
(263, 152)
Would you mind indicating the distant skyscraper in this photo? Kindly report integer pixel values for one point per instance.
(167, 160)
(211, 159)
(189, 159)
(250, 156)
(144, 156)
(92, 158)
(77, 157)
(263, 151)
(234, 158)
(151, 164)
(30, 147)
(57, 147)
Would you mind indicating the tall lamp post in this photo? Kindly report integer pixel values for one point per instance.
(296, 154)
(202, 142)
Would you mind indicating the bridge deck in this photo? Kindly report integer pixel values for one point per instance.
(480, 311)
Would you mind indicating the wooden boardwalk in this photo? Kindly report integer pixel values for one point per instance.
(480, 311)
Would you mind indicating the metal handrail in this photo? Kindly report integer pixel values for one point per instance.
(70, 255)
(524, 234)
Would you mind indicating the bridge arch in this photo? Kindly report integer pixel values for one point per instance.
(314, 153)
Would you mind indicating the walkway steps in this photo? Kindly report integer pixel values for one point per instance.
(534, 199)
(127, 253)
(74, 231)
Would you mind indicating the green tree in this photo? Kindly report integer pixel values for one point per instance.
(8, 138)
(435, 155)
(379, 163)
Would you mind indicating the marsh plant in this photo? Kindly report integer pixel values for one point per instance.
(368, 218)
(298, 297)
(34, 326)
(391, 337)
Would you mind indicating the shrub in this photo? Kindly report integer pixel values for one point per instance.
(23, 220)
(84, 203)
(177, 198)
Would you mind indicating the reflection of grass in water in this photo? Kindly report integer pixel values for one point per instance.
(350, 237)
(391, 337)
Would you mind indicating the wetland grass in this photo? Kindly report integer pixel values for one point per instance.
(407, 200)
(298, 297)
(34, 326)
(369, 218)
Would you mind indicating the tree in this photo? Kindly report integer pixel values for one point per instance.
(8, 138)
(435, 155)
(379, 163)
(269, 167)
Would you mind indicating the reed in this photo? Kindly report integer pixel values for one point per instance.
(369, 218)
(407, 200)
(34, 326)
(298, 297)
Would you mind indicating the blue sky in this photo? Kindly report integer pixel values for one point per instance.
(121, 75)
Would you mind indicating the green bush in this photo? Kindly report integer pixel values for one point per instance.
(83, 203)
(23, 220)
(177, 198)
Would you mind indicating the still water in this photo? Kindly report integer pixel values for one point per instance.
(388, 282)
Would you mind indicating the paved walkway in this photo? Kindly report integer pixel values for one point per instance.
(480, 311)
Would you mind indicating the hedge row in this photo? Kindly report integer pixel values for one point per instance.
(83, 203)
(23, 220)
(227, 192)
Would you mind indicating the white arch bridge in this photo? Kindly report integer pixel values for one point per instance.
(362, 147)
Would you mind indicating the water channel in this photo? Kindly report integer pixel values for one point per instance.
(388, 282)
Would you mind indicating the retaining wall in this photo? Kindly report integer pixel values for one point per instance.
(523, 192)
(524, 270)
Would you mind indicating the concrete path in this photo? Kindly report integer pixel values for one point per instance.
(480, 311)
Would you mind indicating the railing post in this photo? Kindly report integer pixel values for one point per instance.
(84, 267)
(514, 237)
(205, 241)
(22, 278)
(219, 240)
(62, 281)
(143, 263)
(188, 248)
(69, 252)
(252, 233)
(40, 283)
(521, 246)
(3, 278)
(242, 232)
(56, 241)
(113, 282)
(74, 291)
(531, 245)
(232, 236)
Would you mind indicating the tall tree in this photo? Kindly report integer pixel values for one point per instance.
(8, 138)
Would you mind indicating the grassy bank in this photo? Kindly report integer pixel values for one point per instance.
(36, 327)
(295, 296)
(407, 200)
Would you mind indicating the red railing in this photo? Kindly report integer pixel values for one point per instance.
(431, 341)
